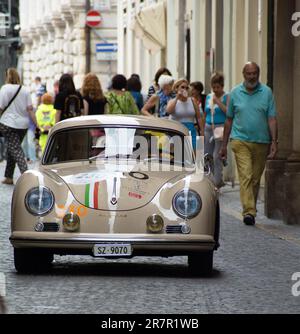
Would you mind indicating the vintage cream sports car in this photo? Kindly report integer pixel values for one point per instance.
(116, 187)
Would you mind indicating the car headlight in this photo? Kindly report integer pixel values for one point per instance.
(187, 204)
(39, 201)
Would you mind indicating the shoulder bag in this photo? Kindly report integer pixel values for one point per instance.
(218, 132)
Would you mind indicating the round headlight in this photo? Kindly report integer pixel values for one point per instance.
(39, 201)
(187, 204)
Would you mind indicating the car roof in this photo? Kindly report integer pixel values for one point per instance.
(141, 121)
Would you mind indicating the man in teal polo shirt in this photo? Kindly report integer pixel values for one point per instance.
(252, 126)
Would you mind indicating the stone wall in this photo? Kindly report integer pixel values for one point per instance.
(282, 196)
(54, 41)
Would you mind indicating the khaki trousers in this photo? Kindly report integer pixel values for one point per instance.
(251, 160)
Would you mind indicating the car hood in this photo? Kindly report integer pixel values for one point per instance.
(113, 187)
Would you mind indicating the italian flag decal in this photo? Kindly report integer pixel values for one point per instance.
(92, 195)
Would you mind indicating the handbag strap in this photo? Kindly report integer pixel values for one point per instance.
(12, 100)
(212, 111)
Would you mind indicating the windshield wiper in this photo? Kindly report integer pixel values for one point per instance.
(96, 157)
(117, 156)
(162, 160)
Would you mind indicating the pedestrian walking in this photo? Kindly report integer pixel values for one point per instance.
(134, 86)
(45, 116)
(68, 102)
(30, 144)
(160, 100)
(185, 110)
(119, 100)
(40, 90)
(93, 97)
(197, 89)
(252, 127)
(16, 108)
(56, 87)
(154, 88)
(215, 117)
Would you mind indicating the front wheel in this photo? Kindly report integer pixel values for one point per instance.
(32, 260)
(201, 264)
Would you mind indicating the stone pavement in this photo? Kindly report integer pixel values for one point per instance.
(231, 205)
(253, 272)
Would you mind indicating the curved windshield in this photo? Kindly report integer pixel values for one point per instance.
(104, 143)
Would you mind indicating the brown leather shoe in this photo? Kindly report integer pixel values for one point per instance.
(8, 181)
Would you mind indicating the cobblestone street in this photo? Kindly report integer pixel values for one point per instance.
(252, 274)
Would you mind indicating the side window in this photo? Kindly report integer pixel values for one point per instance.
(68, 146)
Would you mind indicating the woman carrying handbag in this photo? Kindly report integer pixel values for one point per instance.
(15, 109)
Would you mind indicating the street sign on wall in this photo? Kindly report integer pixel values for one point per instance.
(93, 19)
(102, 5)
(107, 51)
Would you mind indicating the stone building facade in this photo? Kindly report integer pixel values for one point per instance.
(201, 36)
(9, 36)
(53, 33)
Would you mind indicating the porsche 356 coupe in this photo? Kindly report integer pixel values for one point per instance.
(116, 187)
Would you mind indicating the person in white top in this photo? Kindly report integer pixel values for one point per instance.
(184, 109)
(15, 109)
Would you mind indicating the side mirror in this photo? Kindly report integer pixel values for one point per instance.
(209, 165)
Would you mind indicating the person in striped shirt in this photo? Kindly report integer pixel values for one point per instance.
(154, 88)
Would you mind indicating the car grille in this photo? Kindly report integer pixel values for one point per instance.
(51, 227)
(173, 229)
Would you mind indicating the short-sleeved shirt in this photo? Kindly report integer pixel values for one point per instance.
(219, 115)
(41, 90)
(96, 107)
(122, 104)
(60, 99)
(163, 103)
(251, 114)
(138, 98)
(16, 116)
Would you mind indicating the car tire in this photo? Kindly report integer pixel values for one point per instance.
(201, 264)
(32, 260)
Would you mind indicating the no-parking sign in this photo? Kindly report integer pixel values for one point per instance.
(93, 19)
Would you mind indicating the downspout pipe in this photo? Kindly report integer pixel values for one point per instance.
(271, 42)
(181, 38)
(87, 40)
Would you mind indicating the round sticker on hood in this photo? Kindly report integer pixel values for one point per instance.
(139, 176)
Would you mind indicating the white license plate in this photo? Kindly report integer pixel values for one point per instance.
(109, 250)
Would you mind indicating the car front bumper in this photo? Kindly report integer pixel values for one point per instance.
(161, 244)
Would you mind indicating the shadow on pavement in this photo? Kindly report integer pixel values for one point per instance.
(124, 270)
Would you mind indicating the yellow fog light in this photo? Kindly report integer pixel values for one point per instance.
(155, 224)
(71, 222)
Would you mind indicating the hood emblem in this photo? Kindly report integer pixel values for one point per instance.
(114, 200)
